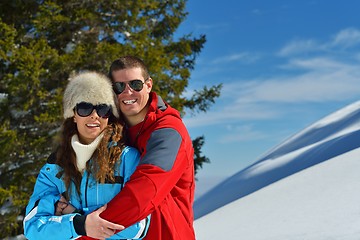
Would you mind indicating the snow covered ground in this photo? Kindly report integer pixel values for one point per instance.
(306, 188)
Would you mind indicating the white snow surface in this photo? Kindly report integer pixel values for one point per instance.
(307, 188)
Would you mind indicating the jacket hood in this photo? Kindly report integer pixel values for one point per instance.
(158, 108)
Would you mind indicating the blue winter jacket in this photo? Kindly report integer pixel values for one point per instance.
(40, 222)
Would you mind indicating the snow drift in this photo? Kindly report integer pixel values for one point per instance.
(317, 196)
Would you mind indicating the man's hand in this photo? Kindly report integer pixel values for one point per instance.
(98, 228)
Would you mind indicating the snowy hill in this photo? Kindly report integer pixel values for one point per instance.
(306, 188)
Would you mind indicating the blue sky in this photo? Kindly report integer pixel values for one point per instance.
(283, 64)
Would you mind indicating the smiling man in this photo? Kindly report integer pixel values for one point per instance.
(163, 183)
(133, 97)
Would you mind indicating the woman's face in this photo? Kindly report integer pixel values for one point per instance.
(90, 127)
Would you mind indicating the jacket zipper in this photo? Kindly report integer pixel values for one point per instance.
(140, 131)
(86, 189)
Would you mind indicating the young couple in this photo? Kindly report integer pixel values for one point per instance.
(97, 185)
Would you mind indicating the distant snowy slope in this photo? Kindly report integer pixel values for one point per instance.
(330, 137)
(340, 123)
(319, 203)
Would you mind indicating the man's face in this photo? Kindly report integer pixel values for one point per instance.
(133, 104)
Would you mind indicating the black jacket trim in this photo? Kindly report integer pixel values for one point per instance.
(52, 158)
(79, 224)
(118, 179)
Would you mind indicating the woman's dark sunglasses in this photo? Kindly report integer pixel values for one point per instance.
(84, 109)
(136, 85)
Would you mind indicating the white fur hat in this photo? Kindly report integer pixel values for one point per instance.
(91, 87)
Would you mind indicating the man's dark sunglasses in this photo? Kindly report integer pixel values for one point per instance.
(136, 85)
(84, 109)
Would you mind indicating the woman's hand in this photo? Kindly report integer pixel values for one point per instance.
(63, 207)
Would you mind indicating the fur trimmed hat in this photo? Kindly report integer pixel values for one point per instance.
(91, 87)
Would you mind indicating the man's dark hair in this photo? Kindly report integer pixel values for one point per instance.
(127, 62)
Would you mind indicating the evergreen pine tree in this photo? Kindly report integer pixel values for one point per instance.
(43, 41)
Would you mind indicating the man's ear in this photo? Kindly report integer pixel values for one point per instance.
(149, 84)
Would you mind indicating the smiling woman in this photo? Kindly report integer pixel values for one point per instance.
(90, 166)
(91, 120)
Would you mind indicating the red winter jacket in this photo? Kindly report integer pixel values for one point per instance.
(163, 184)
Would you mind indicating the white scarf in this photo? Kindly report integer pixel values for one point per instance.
(84, 152)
